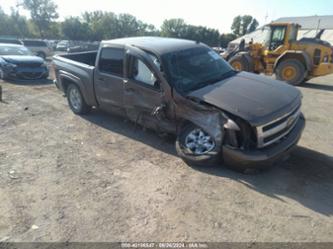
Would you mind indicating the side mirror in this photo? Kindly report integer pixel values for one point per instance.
(158, 111)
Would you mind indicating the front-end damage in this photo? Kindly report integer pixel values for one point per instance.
(226, 129)
(203, 115)
(236, 138)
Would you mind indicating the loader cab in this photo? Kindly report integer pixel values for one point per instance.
(280, 34)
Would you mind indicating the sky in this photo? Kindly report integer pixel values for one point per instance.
(216, 14)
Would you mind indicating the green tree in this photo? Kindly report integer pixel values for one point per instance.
(108, 25)
(173, 28)
(42, 12)
(4, 23)
(179, 29)
(18, 24)
(103, 25)
(13, 24)
(226, 38)
(242, 25)
(73, 29)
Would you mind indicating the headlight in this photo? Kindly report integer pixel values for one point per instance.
(230, 124)
(231, 130)
(9, 66)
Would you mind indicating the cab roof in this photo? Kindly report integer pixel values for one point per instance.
(157, 45)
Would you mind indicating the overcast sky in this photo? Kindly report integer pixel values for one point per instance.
(211, 13)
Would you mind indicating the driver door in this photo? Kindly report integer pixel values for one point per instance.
(144, 95)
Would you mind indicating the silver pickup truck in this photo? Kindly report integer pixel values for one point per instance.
(184, 88)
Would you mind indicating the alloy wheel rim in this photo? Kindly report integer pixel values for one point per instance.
(289, 73)
(237, 65)
(75, 98)
(199, 142)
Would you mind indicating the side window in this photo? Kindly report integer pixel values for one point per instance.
(112, 61)
(141, 73)
(32, 43)
(27, 43)
(278, 34)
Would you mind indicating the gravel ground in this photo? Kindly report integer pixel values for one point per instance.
(100, 178)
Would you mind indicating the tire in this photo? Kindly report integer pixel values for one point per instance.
(41, 54)
(291, 71)
(241, 63)
(76, 101)
(208, 158)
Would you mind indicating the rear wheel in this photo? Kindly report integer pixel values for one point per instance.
(196, 146)
(76, 101)
(240, 63)
(291, 71)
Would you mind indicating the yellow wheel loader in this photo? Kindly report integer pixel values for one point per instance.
(291, 60)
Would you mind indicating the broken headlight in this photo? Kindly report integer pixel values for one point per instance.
(9, 66)
(238, 133)
(231, 129)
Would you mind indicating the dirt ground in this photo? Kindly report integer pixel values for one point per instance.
(100, 178)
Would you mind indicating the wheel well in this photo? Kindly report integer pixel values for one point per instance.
(294, 56)
(182, 124)
(65, 83)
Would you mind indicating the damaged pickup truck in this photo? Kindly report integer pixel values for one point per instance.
(185, 88)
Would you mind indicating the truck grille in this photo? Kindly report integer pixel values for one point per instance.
(29, 65)
(31, 75)
(272, 132)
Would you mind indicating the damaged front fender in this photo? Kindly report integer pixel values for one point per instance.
(203, 115)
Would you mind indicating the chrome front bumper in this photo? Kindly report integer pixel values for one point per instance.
(268, 155)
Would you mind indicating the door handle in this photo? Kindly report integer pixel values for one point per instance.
(125, 81)
(101, 79)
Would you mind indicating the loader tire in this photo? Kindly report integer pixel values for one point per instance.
(241, 63)
(291, 71)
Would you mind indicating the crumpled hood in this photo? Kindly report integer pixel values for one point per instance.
(256, 99)
(22, 59)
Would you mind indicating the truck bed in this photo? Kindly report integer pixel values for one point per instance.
(78, 68)
(88, 58)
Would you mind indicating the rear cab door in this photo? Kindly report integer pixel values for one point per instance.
(109, 77)
(146, 95)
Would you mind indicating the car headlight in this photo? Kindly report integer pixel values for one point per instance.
(231, 130)
(9, 66)
(230, 124)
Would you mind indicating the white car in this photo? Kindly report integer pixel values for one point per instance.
(39, 48)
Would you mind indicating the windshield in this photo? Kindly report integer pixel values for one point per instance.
(14, 50)
(195, 68)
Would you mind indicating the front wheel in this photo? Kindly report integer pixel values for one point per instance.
(241, 63)
(76, 101)
(196, 146)
(292, 71)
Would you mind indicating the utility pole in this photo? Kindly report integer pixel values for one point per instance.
(318, 26)
(266, 17)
